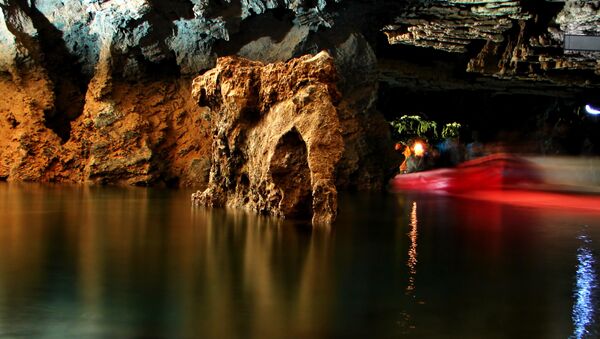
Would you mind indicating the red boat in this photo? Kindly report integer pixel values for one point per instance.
(499, 178)
(492, 172)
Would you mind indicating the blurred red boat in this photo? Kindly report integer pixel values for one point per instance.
(492, 172)
(498, 178)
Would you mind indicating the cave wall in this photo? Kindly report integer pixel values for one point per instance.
(143, 133)
(100, 89)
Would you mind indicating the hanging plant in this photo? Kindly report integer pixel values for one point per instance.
(412, 126)
(451, 130)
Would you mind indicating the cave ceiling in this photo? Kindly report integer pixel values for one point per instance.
(445, 44)
(511, 40)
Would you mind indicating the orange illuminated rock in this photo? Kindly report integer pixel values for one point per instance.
(276, 136)
(144, 133)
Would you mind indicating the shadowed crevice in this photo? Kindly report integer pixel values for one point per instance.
(291, 174)
(63, 68)
(273, 23)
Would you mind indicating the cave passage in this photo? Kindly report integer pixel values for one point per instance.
(521, 122)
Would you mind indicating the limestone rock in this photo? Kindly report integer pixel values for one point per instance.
(141, 32)
(188, 35)
(580, 18)
(98, 91)
(276, 136)
(519, 41)
(132, 134)
(450, 27)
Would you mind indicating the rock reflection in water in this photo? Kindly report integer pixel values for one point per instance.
(129, 262)
(254, 265)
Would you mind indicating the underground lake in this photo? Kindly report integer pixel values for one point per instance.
(78, 261)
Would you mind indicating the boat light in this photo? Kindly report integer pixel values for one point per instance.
(419, 149)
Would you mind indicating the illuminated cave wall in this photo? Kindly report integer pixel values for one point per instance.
(102, 88)
(99, 89)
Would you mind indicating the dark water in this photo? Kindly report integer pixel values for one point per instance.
(138, 263)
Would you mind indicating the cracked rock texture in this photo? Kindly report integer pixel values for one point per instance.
(277, 136)
(284, 139)
(506, 39)
(136, 134)
(60, 125)
(99, 91)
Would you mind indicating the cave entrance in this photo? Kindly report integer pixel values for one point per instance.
(291, 174)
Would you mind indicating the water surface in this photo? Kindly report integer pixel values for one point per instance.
(134, 263)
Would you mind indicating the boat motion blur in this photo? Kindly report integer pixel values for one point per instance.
(500, 177)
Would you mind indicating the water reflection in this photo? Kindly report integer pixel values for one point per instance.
(254, 265)
(585, 285)
(406, 321)
(412, 252)
(129, 263)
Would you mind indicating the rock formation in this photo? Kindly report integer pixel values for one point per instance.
(98, 91)
(277, 137)
(505, 38)
(70, 118)
(136, 134)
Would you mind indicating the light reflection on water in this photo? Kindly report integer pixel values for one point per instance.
(585, 286)
(100, 262)
(412, 252)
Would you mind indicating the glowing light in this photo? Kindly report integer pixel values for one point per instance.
(412, 251)
(592, 110)
(419, 149)
(583, 308)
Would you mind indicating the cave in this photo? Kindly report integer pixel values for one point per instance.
(300, 168)
(526, 117)
(103, 92)
(523, 121)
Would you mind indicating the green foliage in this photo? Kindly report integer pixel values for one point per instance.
(451, 130)
(411, 126)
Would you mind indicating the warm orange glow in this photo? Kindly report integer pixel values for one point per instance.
(419, 149)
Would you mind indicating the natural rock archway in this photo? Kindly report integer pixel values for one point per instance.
(276, 136)
(291, 175)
